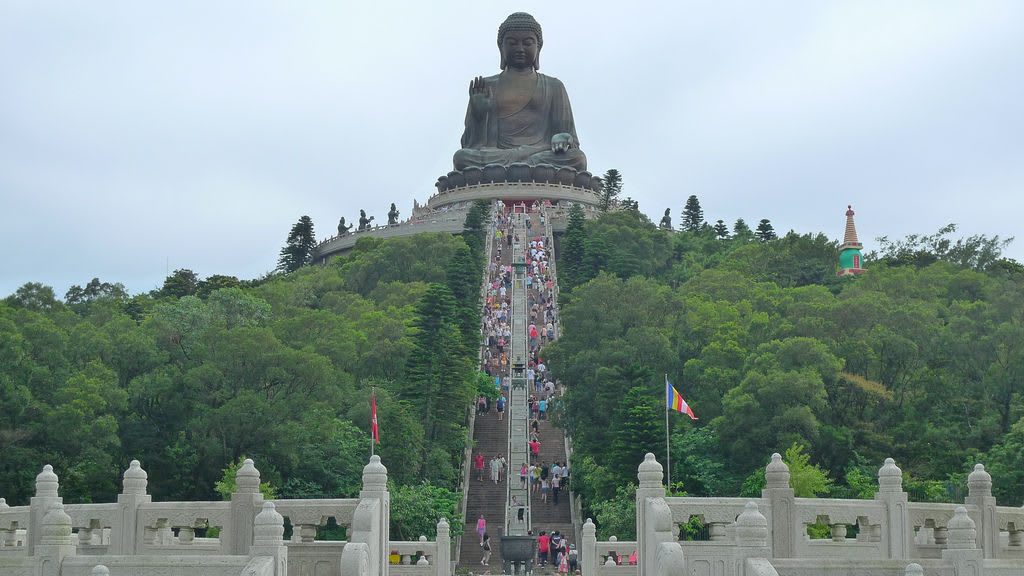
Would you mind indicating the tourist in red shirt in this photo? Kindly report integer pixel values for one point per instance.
(543, 547)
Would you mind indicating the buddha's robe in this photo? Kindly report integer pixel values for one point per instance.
(524, 135)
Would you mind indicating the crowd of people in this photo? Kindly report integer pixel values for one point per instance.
(546, 478)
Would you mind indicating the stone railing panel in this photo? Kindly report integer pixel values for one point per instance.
(411, 551)
(317, 512)
(315, 557)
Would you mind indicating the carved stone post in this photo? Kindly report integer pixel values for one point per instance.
(375, 488)
(246, 500)
(896, 529)
(979, 493)
(588, 548)
(963, 553)
(751, 534)
(55, 541)
(650, 474)
(443, 556)
(780, 497)
(914, 569)
(40, 504)
(126, 536)
(268, 537)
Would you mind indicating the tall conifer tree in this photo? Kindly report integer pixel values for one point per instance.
(298, 251)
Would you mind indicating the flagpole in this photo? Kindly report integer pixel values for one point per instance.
(373, 393)
(668, 446)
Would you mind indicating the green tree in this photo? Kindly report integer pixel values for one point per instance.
(693, 215)
(416, 509)
(475, 228)
(570, 261)
(462, 276)
(765, 231)
(721, 230)
(79, 297)
(34, 296)
(182, 282)
(610, 190)
(298, 249)
(741, 231)
(216, 282)
(438, 380)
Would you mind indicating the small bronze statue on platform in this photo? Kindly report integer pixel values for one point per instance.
(364, 222)
(342, 228)
(666, 220)
(392, 215)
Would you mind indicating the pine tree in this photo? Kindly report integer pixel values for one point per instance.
(765, 231)
(437, 380)
(611, 189)
(693, 216)
(475, 228)
(721, 230)
(570, 262)
(741, 231)
(462, 276)
(629, 204)
(298, 251)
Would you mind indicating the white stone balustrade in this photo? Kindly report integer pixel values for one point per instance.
(878, 536)
(138, 537)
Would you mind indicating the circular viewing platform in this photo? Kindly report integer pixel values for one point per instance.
(516, 182)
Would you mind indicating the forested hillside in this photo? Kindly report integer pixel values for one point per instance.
(192, 377)
(920, 359)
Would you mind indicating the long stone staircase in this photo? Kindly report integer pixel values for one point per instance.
(491, 436)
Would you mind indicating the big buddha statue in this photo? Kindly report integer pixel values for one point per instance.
(519, 115)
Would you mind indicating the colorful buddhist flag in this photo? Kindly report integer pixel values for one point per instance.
(373, 418)
(675, 400)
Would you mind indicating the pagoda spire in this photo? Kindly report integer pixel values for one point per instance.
(851, 229)
(849, 250)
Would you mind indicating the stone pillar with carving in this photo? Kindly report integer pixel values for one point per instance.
(443, 556)
(896, 530)
(979, 493)
(962, 551)
(588, 548)
(55, 541)
(127, 534)
(781, 499)
(751, 534)
(650, 474)
(268, 538)
(46, 496)
(371, 522)
(246, 501)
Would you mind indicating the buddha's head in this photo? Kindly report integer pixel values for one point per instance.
(519, 40)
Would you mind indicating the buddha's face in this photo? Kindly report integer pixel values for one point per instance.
(519, 49)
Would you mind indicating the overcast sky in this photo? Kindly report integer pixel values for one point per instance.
(141, 137)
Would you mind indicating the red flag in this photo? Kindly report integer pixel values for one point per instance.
(373, 418)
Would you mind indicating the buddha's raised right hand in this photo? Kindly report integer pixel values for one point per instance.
(479, 96)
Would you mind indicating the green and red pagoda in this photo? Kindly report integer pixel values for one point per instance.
(849, 250)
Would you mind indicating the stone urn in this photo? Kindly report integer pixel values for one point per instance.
(582, 180)
(456, 179)
(518, 172)
(472, 174)
(493, 173)
(566, 176)
(544, 173)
